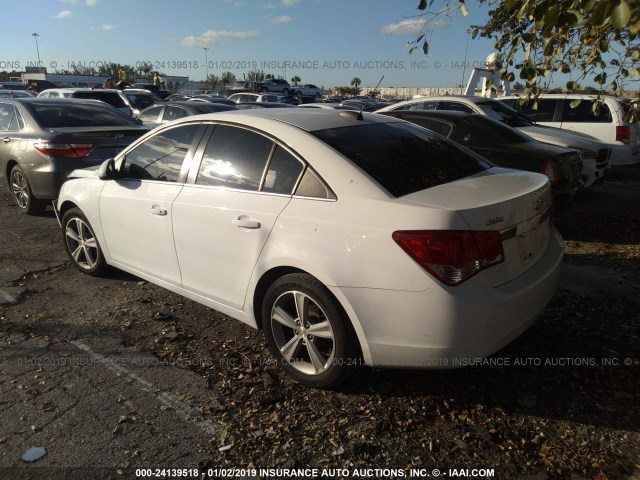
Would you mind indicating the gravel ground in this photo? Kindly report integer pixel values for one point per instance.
(561, 402)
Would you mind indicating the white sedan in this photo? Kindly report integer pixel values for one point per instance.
(347, 238)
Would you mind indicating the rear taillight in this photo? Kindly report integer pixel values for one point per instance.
(623, 134)
(550, 169)
(452, 256)
(65, 150)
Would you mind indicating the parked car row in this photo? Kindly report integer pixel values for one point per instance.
(321, 223)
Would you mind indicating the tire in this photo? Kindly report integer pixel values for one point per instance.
(285, 91)
(81, 244)
(318, 95)
(22, 194)
(308, 332)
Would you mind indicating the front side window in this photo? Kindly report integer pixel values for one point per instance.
(235, 158)
(160, 157)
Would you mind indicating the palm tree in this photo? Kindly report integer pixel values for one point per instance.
(295, 80)
(355, 82)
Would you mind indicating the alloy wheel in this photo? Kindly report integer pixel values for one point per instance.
(81, 243)
(302, 333)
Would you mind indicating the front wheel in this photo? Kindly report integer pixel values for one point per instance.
(308, 332)
(81, 243)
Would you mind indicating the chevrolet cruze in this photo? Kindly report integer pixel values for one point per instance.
(345, 237)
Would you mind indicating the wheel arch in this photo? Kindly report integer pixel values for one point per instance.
(275, 273)
(66, 206)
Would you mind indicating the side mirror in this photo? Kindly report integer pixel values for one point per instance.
(107, 170)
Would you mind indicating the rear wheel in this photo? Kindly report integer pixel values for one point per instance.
(81, 243)
(285, 91)
(308, 332)
(22, 194)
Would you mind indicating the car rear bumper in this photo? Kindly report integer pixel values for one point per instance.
(46, 179)
(622, 154)
(444, 327)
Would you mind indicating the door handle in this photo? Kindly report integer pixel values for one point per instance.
(6, 139)
(246, 222)
(158, 211)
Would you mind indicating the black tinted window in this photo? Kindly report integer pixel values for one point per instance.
(455, 107)
(71, 114)
(479, 130)
(160, 157)
(544, 113)
(234, 158)
(402, 158)
(584, 112)
(504, 113)
(112, 98)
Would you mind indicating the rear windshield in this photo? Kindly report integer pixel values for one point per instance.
(504, 113)
(111, 98)
(494, 131)
(69, 114)
(401, 157)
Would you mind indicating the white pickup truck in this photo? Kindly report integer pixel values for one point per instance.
(307, 90)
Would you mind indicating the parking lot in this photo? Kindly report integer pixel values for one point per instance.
(114, 374)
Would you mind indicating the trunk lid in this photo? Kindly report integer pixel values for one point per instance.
(108, 141)
(515, 203)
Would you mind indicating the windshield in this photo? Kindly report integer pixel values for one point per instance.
(503, 113)
(401, 157)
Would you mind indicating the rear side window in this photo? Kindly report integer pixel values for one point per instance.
(71, 114)
(234, 158)
(544, 113)
(583, 113)
(402, 158)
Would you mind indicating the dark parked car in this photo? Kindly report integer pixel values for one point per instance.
(168, 111)
(43, 140)
(506, 147)
(16, 94)
(140, 99)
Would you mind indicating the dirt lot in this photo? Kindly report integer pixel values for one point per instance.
(113, 374)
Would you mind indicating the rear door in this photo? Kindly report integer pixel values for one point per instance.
(224, 216)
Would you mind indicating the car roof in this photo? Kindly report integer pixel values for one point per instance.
(309, 119)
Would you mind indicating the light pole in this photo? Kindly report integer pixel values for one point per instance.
(35, 35)
(206, 65)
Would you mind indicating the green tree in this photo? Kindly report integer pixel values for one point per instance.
(593, 40)
(228, 78)
(355, 83)
(295, 80)
(214, 81)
